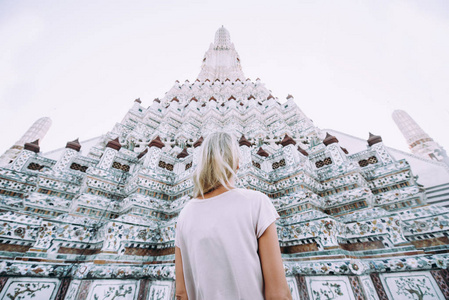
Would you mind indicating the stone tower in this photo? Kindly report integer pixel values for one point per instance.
(37, 131)
(419, 142)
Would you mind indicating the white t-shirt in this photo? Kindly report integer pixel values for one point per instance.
(218, 241)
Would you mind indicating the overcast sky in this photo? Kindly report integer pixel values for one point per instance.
(348, 64)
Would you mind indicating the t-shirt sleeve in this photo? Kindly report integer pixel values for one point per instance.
(178, 232)
(267, 215)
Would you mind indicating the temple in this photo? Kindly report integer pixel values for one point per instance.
(96, 219)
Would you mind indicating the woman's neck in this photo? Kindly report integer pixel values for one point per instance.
(220, 190)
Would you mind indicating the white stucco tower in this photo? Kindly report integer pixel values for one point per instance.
(37, 131)
(221, 61)
(419, 142)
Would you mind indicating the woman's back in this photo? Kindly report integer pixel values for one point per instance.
(218, 239)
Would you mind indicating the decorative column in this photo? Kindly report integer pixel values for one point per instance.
(266, 165)
(180, 166)
(71, 150)
(303, 160)
(196, 150)
(111, 150)
(29, 150)
(336, 152)
(375, 143)
(291, 156)
(245, 153)
(154, 153)
(137, 104)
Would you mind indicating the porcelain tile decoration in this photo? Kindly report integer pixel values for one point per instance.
(97, 218)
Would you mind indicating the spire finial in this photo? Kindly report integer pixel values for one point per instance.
(75, 145)
(374, 139)
(329, 139)
(33, 146)
(221, 61)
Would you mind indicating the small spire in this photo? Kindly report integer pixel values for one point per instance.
(138, 100)
(114, 144)
(344, 150)
(156, 143)
(33, 146)
(287, 141)
(244, 142)
(198, 142)
(183, 153)
(75, 145)
(373, 139)
(222, 39)
(329, 139)
(262, 152)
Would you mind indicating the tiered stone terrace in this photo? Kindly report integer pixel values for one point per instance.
(111, 214)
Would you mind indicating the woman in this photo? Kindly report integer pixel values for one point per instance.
(226, 244)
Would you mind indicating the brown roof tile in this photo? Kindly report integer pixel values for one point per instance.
(75, 145)
(329, 139)
(156, 143)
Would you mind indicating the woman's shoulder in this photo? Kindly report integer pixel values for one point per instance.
(250, 194)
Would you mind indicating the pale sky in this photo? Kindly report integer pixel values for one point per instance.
(348, 64)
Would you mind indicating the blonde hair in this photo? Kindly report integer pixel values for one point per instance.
(218, 161)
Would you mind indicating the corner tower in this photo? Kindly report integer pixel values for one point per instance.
(419, 142)
(37, 131)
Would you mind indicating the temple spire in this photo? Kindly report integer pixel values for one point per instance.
(221, 61)
(222, 39)
(419, 142)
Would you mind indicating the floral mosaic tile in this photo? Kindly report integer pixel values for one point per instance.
(114, 289)
(329, 287)
(27, 288)
(161, 290)
(418, 285)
